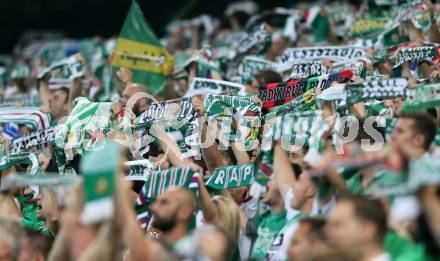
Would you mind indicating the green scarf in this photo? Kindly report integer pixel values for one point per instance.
(13, 159)
(231, 177)
(222, 107)
(415, 53)
(421, 97)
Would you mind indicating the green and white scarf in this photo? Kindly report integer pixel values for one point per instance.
(421, 97)
(242, 104)
(208, 86)
(25, 100)
(252, 65)
(99, 183)
(138, 168)
(204, 60)
(86, 118)
(376, 89)
(415, 53)
(357, 67)
(302, 128)
(58, 83)
(68, 68)
(13, 159)
(297, 128)
(255, 41)
(223, 108)
(35, 138)
(47, 180)
(231, 177)
(422, 172)
(305, 69)
(159, 181)
(183, 120)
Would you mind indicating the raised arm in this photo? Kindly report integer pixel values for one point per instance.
(168, 144)
(44, 91)
(284, 174)
(206, 203)
(133, 236)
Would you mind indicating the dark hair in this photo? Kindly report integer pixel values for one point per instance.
(316, 230)
(67, 91)
(369, 210)
(423, 124)
(265, 77)
(298, 169)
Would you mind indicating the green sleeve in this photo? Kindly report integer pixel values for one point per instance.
(402, 249)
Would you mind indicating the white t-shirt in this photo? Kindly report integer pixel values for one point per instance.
(291, 212)
(279, 246)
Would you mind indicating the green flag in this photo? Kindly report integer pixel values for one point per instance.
(139, 50)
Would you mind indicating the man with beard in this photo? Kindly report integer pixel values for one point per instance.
(172, 213)
(141, 103)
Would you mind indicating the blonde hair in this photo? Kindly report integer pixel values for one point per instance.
(228, 216)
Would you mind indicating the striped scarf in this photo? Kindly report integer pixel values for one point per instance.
(25, 115)
(159, 181)
(89, 115)
(86, 118)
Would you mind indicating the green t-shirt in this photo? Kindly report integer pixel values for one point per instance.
(30, 219)
(402, 249)
(270, 224)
